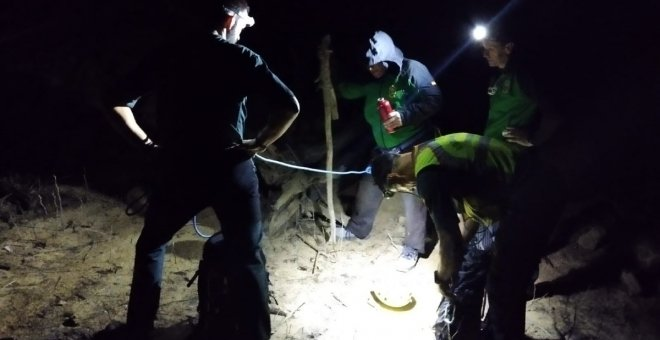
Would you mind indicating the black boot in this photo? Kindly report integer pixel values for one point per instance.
(457, 321)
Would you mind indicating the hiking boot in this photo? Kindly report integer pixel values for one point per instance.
(456, 321)
(407, 260)
(443, 324)
(485, 331)
(121, 331)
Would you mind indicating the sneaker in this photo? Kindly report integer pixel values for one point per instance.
(344, 234)
(407, 260)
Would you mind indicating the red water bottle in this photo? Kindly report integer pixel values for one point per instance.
(384, 108)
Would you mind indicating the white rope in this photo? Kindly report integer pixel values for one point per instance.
(365, 171)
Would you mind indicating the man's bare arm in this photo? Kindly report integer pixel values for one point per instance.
(274, 129)
(130, 125)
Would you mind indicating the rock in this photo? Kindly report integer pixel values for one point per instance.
(630, 283)
(647, 255)
(591, 238)
(70, 320)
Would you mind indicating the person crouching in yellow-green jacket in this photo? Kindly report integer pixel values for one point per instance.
(459, 172)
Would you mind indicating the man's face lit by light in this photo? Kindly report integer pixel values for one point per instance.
(496, 53)
(241, 21)
(378, 70)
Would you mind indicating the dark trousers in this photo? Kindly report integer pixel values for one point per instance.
(537, 199)
(470, 281)
(469, 284)
(437, 187)
(233, 192)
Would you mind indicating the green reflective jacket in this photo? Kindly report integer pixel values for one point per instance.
(477, 155)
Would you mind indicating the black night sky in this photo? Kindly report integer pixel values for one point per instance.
(596, 61)
(595, 64)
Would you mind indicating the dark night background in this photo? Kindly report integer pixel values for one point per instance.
(596, 61)
(596, 65)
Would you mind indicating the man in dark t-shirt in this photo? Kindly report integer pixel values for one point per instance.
(202, 84)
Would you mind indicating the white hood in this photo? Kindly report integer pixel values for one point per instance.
(382, 48)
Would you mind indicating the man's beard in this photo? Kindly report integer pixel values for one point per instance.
(233, 35)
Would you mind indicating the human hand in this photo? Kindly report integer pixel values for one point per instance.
(148, 143)
(251, 146)
(517, 136)
(149, 147)
(243, 151)
(393, 122)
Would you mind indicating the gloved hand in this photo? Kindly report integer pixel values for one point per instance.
(149, 147)
(149, 152)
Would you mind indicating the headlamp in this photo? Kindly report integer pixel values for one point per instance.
(479, 32)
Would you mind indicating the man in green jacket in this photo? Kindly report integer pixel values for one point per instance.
(414, 97)
(464, 171)
(512, 99)
(512, 117)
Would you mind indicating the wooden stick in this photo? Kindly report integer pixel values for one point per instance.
(288, 317)
(307, 243)
(330, 108)
(316, 256)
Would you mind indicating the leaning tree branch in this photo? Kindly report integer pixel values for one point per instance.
(330, 108)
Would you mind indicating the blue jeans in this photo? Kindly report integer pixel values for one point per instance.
(180, 193)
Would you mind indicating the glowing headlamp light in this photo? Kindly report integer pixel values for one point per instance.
(479, 32)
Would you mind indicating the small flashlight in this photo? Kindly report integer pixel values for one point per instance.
(479, 32)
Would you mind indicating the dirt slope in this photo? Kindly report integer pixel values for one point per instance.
(65, 275)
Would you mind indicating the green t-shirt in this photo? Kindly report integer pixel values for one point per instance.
(510, 105)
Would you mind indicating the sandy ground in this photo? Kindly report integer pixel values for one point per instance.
(66, 274)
